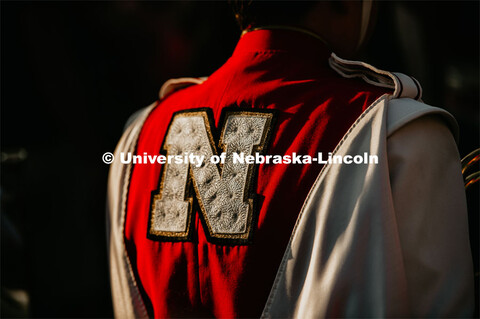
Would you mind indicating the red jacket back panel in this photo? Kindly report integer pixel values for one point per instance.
(285, 72)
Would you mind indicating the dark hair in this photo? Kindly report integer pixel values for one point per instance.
(254, 13)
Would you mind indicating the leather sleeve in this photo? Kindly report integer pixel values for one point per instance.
(430, 208)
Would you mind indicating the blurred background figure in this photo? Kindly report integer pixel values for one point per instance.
(72, 73)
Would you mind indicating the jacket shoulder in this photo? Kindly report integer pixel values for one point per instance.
(403, 86)
(402, 111)
(405, 104)
(167, 88)
(173, 85)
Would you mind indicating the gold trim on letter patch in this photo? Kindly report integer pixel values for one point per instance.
(224, 191)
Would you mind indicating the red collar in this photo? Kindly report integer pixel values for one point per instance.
(282, 40)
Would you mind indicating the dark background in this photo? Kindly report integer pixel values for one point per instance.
(72, 73)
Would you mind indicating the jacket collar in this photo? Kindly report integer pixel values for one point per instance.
(286, 39)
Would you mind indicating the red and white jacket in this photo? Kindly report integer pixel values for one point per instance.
(290, 240)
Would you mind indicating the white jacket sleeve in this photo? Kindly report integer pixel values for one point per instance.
(387, 239)
(430, 208)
